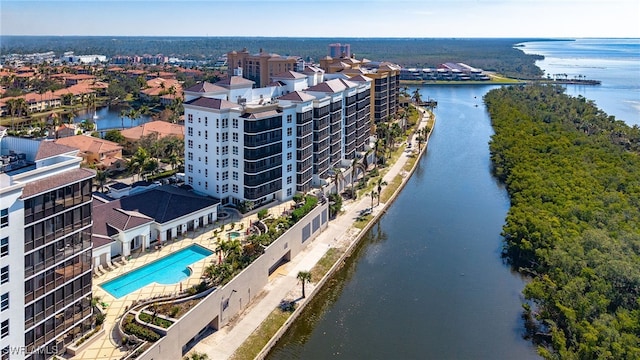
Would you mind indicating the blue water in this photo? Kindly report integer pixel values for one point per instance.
(108, 118)
(615, 62)
(170, 269)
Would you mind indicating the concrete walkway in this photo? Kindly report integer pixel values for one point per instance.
(283, 284)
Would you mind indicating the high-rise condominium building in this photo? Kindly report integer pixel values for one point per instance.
(45, 248)
(261, 144)
(338, 50)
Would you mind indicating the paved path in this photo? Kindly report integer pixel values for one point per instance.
(284, 284)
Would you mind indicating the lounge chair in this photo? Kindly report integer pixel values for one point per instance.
(123, 260)
(112, 265)
(101, 268)
(96, 273)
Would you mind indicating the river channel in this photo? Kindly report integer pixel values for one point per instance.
(427, 282)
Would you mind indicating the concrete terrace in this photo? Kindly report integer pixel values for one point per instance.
(107, 346)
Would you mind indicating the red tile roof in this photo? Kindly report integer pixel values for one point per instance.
(49, 149)
(212, 103)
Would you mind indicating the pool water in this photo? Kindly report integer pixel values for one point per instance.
(234, 234)
(167, 270)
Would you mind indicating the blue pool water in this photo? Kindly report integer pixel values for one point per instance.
(167, 270)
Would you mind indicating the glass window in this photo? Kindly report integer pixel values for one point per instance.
(4, 329)
(4, 247)
(4, 274)
(4, 217)
(4, 301)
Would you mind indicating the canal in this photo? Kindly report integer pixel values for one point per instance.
(428, 281)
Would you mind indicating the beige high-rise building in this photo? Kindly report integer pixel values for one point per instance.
(259, 67)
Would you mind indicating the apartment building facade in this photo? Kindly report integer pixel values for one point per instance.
(45, 251)
(262, 66)
(261, 144)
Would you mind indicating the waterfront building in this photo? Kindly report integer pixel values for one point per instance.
(45, 248)
(262, 66)
(385, 85)
(261, 144)
(338, 50)
(70, 58)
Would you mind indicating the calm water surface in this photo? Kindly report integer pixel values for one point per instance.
(615, 62)
(428, 281)
(108, 117)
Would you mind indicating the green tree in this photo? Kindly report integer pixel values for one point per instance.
(380, 183)
(115, 136)
(138, 161)
(101, 178)
(304, 276)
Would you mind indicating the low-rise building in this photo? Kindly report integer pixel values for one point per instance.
(102, 154)
(160, 128)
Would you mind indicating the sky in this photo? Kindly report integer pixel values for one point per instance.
(324, 18)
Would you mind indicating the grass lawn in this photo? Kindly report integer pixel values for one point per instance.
(325, 263)
(259, 338)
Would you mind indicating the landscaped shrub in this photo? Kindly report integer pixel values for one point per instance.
(263, 214)
(299, 213)
(158, 321)
(130, 327)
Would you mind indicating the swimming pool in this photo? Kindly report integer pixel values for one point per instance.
(167, 270)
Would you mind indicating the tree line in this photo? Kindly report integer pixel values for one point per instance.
(489, 54)
(573, 177)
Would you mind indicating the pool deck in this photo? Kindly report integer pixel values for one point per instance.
(108, 347)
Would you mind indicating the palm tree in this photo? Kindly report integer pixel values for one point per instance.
(101, 179)
(138, 161)
(380, 183)
(365, 159)
(230, 248)
(123, 114)
(337, 176)
(355, 165)
(12, 105)
(373, 195)
(133, 115)
(416, 96)
(420, 139)
(304, 276)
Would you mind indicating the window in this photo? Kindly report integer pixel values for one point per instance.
(217, 150)
(225, 163)
(235, 188)
(199, 133)
(225, 188)
(190, 156)
(217, 176)
(4, 329)
(206, 185)
(4, 218)
(225, 123)
(4, 302)
(289, 156)
(217, 123)
(190, 168)
(289, 144)
(235, 137)
(225, 175)
(289, 118)
(225, 150)
(190, 117)
(190, 144)
(190, 180)
(235, 123)
(235, 163)
(218, 189)
(4, 247)
(289, 179)
(4, 274)
(235, 150)
(225, 137)
(289, 131)
(206, 172)
(190, 131)
(235, 175)
(289, 168)
(206, 121)
(206, 134)
(206, 160)
(217, 163)
(217, 137)
(289, 191)
(206, 147)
